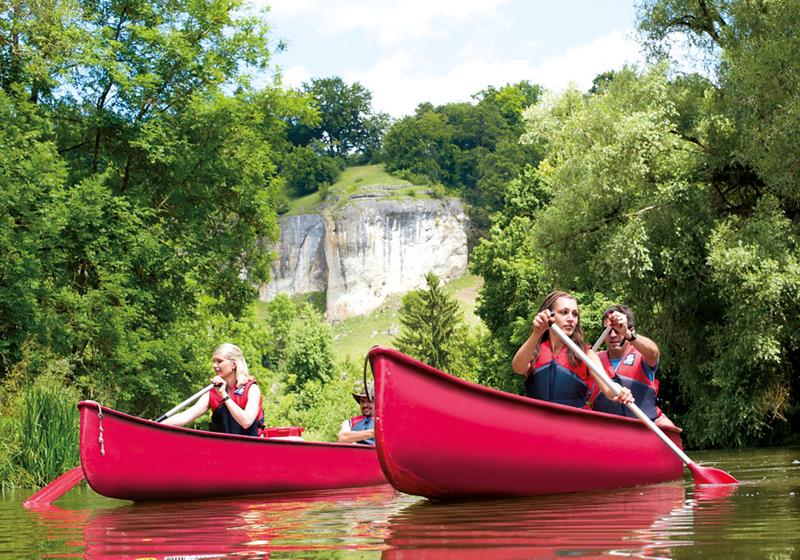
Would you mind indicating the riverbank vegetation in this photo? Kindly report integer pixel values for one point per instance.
(142, 176)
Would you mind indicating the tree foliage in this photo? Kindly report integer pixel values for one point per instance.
(299, 343)
(138, 182)
(309, 388)
(433, 328)
(753, 245)
(346, 126)
(306, 171)
(471, 148)
(667, 191)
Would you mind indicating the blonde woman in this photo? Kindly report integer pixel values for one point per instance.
(235, 401)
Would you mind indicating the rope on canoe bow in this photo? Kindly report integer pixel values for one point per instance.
(100, 439)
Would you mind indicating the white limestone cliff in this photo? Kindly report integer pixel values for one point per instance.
(369, 250)
(299, 266)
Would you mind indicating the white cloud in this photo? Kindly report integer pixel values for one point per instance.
(580, 65)
(295, 76)
(398, 86)
(391, 22)
(440, 51)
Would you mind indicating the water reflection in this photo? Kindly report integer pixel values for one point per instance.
(252, 527)
(757, 519)
(642, 522)
(628, 522)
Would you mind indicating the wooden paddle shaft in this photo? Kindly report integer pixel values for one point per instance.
(615, 388)
(191, 399)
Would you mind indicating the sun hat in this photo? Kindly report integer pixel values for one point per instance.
(358, 391)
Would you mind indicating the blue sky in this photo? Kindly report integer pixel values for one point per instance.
(442, 51)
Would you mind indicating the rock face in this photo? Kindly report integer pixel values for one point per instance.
(299, 267)
(370, 249)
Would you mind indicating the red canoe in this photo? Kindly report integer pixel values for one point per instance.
(131, 458)
(441, 437)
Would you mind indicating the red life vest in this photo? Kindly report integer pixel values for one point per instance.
(555, 379)
(221, 419)
(630, 373)
(361, 423)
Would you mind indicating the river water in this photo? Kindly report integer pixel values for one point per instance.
(760, 518)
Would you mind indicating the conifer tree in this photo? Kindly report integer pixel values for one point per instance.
(431, 322)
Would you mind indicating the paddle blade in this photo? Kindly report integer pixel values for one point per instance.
(710, 475)
(55, 489)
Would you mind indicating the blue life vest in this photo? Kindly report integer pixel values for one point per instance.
(361, 423)
(630, 373)
(555, 379)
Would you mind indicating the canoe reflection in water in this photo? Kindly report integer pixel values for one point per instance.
(253, 527)
(377, 522)
(630, 522)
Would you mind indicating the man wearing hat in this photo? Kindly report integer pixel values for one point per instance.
(360, 429)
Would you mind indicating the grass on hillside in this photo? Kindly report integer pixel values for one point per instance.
(361, 179)
(308, 204)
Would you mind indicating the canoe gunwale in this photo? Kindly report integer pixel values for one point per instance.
(193, 432)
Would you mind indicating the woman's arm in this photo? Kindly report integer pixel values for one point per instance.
(245, 417)
(524, 355)
(190, 414)
(522, 358)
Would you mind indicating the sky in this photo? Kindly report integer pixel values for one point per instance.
(444, 51)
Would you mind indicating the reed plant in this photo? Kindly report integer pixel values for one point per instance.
(47, 430)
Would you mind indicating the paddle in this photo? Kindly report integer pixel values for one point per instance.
(188, 401)
(72, 477)
(600, 340)
(702, 475)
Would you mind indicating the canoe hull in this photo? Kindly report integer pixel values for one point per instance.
(441, 437)
(142, 460)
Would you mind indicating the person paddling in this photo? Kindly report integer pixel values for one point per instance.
(360, 429)
(235, 400)
(631, 359)
(552, 371)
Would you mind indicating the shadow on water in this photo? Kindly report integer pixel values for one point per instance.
(757, 519)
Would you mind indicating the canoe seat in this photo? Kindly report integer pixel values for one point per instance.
(292, 433)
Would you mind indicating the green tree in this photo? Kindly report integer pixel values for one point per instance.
(346, 126)
(472, 148)
(299, 345)
(305, 170)
(309, 353)
(641, 198)
(613, 213)
(751, 118)
(432, 327)
(422, 145)
(757, 92)
(137, 188)
(32, 182)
